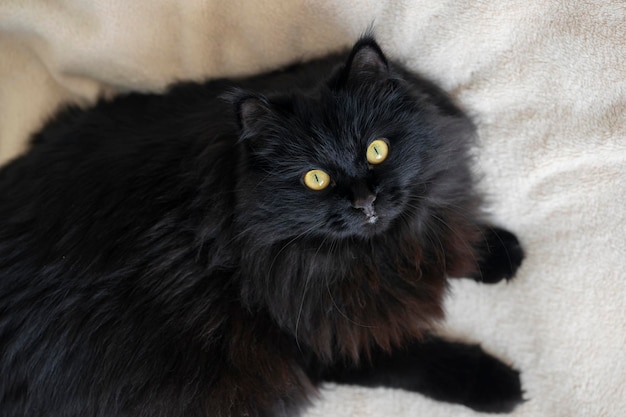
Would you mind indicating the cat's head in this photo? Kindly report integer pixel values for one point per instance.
(350, 158)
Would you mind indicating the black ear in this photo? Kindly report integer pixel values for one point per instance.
(365, 63)
(249, 108)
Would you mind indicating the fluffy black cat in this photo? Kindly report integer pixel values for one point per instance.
(224, 248)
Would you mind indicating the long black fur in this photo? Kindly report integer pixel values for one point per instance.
(161, 256)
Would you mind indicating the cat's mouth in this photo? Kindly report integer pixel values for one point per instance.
(365, 218)
(360, 225)
(376, 219)
(370, 214)
(372, 218)
(371, 224)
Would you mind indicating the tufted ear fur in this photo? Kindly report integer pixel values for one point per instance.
(249, 109)
(365, 63)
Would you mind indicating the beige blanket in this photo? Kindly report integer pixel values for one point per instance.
(546, 81)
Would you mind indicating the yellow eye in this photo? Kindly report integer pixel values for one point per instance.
(377, 151)
(316, 179)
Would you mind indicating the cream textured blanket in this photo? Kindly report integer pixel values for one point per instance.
(545, 80)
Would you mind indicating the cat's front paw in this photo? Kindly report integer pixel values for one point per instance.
(497, 387)
(502, 255)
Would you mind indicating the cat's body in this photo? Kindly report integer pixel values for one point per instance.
(160, 255)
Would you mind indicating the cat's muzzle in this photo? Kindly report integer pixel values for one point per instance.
(366, 205)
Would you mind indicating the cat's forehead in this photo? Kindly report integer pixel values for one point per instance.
(337, 116)
(329, 128)
(334, 134)
(366, 101)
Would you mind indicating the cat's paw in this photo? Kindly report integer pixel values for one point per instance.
(497, 387)
(502, 256)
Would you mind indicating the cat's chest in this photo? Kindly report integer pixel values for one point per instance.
(348, 299)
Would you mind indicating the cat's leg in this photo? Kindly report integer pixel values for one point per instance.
(500, 255)
(445, 371)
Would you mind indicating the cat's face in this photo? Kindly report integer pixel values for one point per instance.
(345, 160)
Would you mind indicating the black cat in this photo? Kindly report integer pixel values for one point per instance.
(222, 249)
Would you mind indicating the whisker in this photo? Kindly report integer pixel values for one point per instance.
(306, 286)
(341, 312)
(289, 243)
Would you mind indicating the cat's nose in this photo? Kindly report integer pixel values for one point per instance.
(363, 198)
(364, 203)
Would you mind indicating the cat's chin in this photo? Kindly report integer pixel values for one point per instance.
(367, 228)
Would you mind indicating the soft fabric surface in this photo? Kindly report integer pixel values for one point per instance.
(545, 81)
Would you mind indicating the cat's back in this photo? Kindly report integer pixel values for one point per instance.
(115, 217)
(107, 182)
